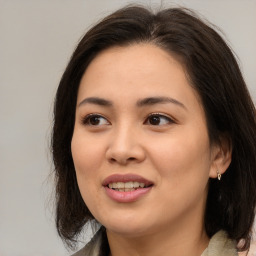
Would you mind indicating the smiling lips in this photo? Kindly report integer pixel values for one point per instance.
(126, 188)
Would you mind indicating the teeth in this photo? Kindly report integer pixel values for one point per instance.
(126, 186)
(128, 189)
(142, 185)
(120, 185)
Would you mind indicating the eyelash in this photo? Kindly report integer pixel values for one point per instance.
(168, 119)
(88, 119)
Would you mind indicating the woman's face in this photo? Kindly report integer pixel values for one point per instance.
(140, 145)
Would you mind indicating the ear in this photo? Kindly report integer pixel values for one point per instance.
(221, 156)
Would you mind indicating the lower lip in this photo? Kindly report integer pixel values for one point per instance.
(126, 197)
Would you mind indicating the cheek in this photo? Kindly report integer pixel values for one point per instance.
(87, 157)
(86, 163)
(86, 153)
(182, 157)
(183, 166)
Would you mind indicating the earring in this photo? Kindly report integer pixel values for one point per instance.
(219, 175)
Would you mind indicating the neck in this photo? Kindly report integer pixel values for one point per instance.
(177, 241)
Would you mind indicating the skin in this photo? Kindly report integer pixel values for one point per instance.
(174, 151)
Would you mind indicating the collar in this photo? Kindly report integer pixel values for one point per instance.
(220, 245)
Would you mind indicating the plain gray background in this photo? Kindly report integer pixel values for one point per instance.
(36, 41)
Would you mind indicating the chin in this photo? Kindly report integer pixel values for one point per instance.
(127, 220)
(128, 231)
(128, 227)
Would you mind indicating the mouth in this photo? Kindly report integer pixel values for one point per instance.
(127, 186)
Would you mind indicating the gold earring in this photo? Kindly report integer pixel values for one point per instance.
(219, 175)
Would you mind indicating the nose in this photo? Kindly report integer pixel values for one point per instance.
(125, 147)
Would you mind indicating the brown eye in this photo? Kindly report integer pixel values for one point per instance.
(95, 120)
(154, 120)
(158, 119)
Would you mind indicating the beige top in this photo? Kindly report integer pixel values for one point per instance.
(219, 245)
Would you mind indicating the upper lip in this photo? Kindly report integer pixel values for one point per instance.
(125, 178)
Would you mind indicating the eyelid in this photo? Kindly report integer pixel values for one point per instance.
(170, 119)
(85, 119)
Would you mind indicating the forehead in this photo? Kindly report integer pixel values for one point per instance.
(138, 58)
(135, 70)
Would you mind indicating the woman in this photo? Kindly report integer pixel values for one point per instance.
(154, 138)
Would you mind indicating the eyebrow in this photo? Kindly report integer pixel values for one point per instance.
(158, 100)
(140, 103)
(96, 101)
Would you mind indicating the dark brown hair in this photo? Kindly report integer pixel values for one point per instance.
(214, 74)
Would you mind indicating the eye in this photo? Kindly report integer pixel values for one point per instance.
(95, 120)
(158, 119)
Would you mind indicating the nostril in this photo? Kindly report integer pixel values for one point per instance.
(112, 160)
(122, 160)
(131, 159)
(124, 155)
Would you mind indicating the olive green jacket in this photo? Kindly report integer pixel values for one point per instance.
(219, 245)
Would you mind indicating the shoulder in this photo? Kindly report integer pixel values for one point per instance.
(221, 245)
